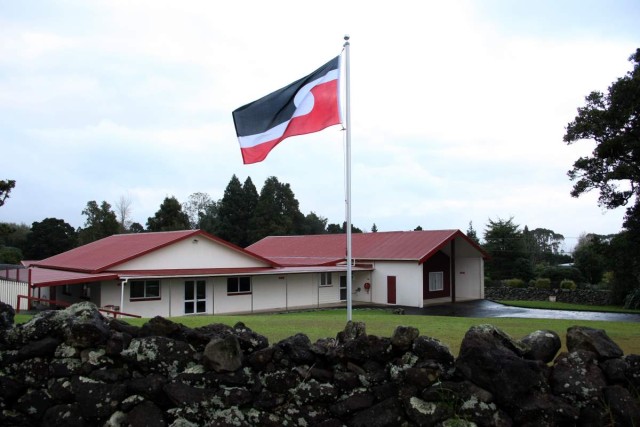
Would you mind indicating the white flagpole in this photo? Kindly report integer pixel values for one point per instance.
(348, 175)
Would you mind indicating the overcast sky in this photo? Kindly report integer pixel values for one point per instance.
(458, 107)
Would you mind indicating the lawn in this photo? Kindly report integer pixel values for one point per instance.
(449, 330)
(548, 305)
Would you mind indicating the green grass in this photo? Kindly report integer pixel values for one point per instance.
(548, 305)
(449, 330)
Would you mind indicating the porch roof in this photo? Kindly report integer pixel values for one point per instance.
(41, 277)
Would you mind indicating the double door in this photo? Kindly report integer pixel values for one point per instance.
(195, 296)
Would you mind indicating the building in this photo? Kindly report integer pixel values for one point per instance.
(192, 272)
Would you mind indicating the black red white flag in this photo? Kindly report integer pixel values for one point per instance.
(305, 106)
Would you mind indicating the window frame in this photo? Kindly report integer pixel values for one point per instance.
(323, 282)
(145, 285)
(237, 283)
(433, 281)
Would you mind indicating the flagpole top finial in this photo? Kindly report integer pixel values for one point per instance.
(346, 37)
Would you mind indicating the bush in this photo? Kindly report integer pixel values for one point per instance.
(568, 284)
(514, 283)
(543, 283)
(632, 300)
(559, 273)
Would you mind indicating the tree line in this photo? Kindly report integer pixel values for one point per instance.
(242, 216)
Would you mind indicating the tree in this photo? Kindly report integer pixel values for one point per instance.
(338, 229)
(374, 228)
(49, 237)
(169, 217)
(505, 245)
(277, 212)
(314, 224)
(196, 207)
(471, 233)
(5, 188)
(235, 211)
(418, 228)
(123, 209)
(590, 256)
(613, 122)
(101, 222)
(136, 227)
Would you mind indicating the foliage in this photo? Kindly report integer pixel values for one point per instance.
(49, 237)
(568, 284)
(505, 245)
(559, 273)
(101, 222)
(613, 122)
(374, 228)
(15, 236)
(136, 227)
(590, 256)
(10, 255)
(340, 229)
(471, 233)
(169, 217)
(5, 189)
(542, 283)
(234, 212)
(197, 208)
(277, 212)
(314, 224)
(623, 261)
(632, 300)
(514, 283)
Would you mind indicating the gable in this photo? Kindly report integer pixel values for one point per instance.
(192, 253)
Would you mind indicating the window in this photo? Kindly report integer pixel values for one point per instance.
(436, 281)
(144, 289)
(325, 279)
(238, 285)
(66, 289)
(86, 291)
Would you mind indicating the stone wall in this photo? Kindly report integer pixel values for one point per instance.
(578, 296)
(76, 368)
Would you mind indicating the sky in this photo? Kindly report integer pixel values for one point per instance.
(458, 108)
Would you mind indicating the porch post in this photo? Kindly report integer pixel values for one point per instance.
(453, 270)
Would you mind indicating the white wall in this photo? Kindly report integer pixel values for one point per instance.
(359, 279)
(408, 282)
(269, 292)
(469, 278)
(187, 254)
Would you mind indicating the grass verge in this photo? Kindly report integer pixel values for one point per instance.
(548, 305)
(449, 330)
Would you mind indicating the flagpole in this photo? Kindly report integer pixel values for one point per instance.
(348, 176)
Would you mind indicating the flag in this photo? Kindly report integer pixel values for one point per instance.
(305, 106)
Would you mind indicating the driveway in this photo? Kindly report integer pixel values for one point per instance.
(486, 308)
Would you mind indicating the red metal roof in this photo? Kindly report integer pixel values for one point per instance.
(393, 245)
(105, 253)
(47, 277)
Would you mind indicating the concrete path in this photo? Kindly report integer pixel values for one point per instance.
(486, 308)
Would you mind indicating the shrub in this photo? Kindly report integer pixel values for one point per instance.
(559, 273)
(568, 284)
(514, 283)
(632, 300)
(543, 283)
